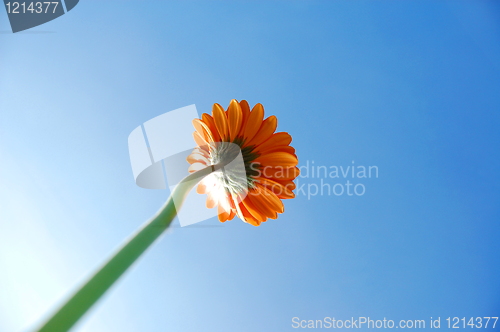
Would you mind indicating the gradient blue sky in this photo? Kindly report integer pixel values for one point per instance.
(412, 87)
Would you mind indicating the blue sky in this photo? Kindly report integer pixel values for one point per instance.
(410, 87)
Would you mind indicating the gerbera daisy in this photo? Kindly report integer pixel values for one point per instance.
(254, 192)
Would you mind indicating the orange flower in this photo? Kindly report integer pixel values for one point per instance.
(269, 162)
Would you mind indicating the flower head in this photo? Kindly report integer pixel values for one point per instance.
(254, 191)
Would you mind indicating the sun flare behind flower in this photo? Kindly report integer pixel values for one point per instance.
(255, 193)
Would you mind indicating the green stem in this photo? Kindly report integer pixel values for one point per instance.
(101, 281)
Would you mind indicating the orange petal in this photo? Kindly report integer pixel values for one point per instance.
(280, 173)
(202, 129)
(245, 112)
(273, 201)
(267, 128)
(231, 215)
(211, 201)
(201, 188)
(281, 190)
(280, 148)
(196, 157)
(222, 214)
(247, 217)
(234, 117)
(199, 140)
(220, 121)
(252, 221)
(196, 167)
(276, 140)
(254, 122)
(211, 124)
(289, 186)
(238, 207)
(261, 204)
(224, 209)
(202, 150)
(277, 159)
(287, 183)
(286, 195)
(253, 210)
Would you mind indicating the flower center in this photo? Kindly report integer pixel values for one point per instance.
(240, 171)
